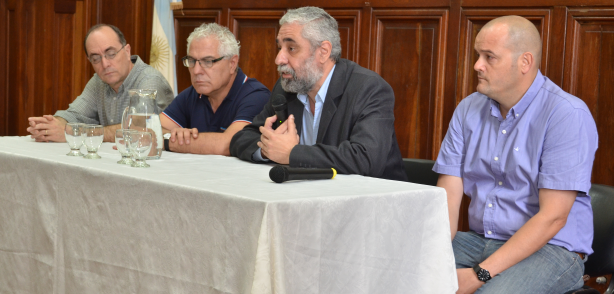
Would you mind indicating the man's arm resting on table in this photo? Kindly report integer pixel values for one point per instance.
(454, 191)
(207, 143)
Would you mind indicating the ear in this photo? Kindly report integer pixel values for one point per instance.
(526, 62)
(234, 63)
(127, 48)
(325, 50)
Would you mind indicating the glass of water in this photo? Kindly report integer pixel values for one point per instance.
(93, 135)
(122, 142)
(140, 145)
(74, 138)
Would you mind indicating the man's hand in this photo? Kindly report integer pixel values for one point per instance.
(277, 144)
(182, 135)
(467, 281)
(47, 129)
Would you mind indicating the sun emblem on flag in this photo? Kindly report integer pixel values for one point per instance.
(158, 58)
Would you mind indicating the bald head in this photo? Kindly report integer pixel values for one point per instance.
(522, 35)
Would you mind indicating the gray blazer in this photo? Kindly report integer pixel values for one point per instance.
(356, 133)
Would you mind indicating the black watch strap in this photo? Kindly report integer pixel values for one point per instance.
(166, 145)
(483, 274)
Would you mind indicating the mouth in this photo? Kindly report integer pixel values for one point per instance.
(285, 71)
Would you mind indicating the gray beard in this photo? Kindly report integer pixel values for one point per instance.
(303, 79)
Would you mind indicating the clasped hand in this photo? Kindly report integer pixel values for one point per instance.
(277, 144)
(46, 129)
(182, 135)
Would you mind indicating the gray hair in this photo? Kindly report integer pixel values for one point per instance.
(318, 26)
(229, 46)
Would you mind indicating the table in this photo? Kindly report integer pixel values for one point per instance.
(211, 224)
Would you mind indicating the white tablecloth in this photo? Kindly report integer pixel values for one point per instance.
(211, 224)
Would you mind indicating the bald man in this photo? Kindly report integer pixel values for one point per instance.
(522, 149)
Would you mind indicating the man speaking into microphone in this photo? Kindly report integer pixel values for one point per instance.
(340, 115)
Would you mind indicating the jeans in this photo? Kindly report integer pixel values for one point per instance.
(552, 269)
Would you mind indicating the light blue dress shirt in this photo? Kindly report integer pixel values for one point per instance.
(311, 121)
(547, 140)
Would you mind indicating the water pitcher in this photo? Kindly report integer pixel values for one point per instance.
(143, 115)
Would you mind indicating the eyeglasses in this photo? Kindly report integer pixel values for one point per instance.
(204, 63)
(95, 58)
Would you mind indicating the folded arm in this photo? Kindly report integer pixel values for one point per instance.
(190, 141)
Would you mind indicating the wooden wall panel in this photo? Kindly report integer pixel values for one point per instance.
(34, 57)
(257, 31)
(134, 21)
(472, 20)
(349, 31)
(185, 23)
(414, 39)
(589, 72)
(4, 45)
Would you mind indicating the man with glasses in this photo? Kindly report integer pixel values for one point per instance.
(222, 99)
(105, 96)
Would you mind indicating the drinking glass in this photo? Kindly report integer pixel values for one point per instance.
(140, 145)
(93, 135)
(122, 141)
(74, 138)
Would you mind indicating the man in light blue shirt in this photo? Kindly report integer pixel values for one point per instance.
(522, 149)
(345, 113)
(311, 121)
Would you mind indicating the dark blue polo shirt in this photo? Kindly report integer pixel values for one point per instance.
(245, 100)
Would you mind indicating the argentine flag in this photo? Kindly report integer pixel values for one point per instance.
(163, 49)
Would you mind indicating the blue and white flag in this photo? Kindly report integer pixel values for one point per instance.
(163, 48)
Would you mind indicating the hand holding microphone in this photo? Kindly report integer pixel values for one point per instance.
(280, 105)
(276, 145)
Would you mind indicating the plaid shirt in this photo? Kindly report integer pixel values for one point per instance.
(91, 109)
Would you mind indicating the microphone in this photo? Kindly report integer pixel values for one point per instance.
(280, 174)
(280, 106)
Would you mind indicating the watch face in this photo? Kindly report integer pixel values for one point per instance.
(483, 275)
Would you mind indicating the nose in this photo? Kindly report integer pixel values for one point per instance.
(105, 62)
(197, 69)
(479, 65)
(281, 58)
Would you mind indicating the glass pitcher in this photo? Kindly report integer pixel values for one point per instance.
(143, 115)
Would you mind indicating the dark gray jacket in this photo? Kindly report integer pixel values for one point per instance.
(356, 133)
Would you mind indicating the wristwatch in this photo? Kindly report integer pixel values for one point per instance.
(167, 136)
(483, 274)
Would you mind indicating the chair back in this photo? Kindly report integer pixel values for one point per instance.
(601, 262)
(420, 171)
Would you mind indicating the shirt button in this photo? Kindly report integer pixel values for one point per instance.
(503, 132)
(111, 120)
(489, 232)
(496, 158)
(489, 204)
(516, 114)
(500, 183)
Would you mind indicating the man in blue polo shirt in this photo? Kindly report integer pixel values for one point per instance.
(221, 101)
